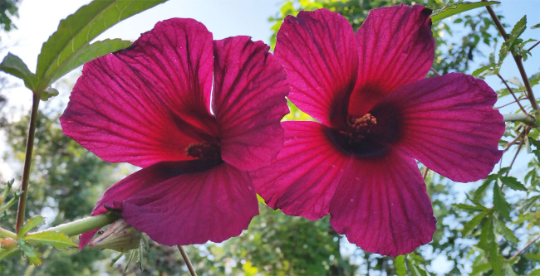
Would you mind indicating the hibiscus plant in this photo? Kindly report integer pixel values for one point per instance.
(376, 120)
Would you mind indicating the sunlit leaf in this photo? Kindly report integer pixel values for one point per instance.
(56, 239)
(535, 272)
(458, 8)
(78, 29)
(49, 93)
(468, 208)
(30, 224)
(7, 252)
(399, 262)
(14, 66)
(532, 257)
(480, 269)
(513, 183)
(506, 232)
(471, 224)
(495, 258)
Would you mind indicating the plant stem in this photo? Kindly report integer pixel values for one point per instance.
(535, 44)
(425, 173)
(525, 247)
(499, 107)
(8, 234)
(517, 59)
(512, 92)
(525, 118)
(187, 261)
(435, 71)
(27, 161)
(83, 225)
(513, 160)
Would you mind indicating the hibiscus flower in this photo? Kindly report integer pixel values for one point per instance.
(377, 114)
(196, 115)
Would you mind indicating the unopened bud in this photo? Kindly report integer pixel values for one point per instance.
(8, 242)
(119, 236)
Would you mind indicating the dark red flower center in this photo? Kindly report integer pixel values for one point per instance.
(204, 150)
(370, 135)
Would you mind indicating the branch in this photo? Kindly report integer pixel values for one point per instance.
(525, 247)
(517, 59)
(535, 44)
(187, 261)
(525, 118)
(27, 161)
(512, 92)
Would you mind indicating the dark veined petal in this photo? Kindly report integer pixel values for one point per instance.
(147, 103)
(248, 101)
(396, 47)
(303, 178)
(194, 208)
(318, 50)
(448, 123)
(187, 202)
(382, 205)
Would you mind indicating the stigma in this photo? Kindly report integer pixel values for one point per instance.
(359, 127)
(204, 150)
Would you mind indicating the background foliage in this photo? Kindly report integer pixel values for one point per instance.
(479, 229)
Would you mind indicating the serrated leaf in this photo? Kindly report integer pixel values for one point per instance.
(503, 171)
(518, 29)
(500, 203)
(532, 257)
(528, 203)
(513, 183)
(78, 29)
(56, 239)
(30, 224)
(468, 208)
(30, 253)
(399, 262)
(14, 66)
(486, 228)
(506, 232)
(480, 191)
(480, 269)
(458, 8)
(88, 53)
(471, 224)
(495, 258)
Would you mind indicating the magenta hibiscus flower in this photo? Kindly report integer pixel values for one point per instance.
(196, 114)
(377, 114)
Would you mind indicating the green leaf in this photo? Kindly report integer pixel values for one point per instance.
(480, 269)
(486, 228)
(458, 8)
(399, 261)
(536, 26)
(503, 171)
(49, 93)
(480, 191)
(56, 239)
(482, 69)
(78, 29)
(528, 203)
(518, 29)
(30, 224)
(14, 66)
(532, 257)
(7, 252)
(495, 258)
(468, 208)
(500, 203)
(513, 183)
(31, 253)
(88, 53)
(506, 232)
(471, 224)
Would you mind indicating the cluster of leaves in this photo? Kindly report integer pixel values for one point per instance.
(8, 10)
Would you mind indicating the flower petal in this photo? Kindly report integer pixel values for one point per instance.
(448, 123)
(142, 179)
(303, 178)
(147, 103)
(395, 47)
(194, 208)
(382, 205)
(318, 51)
(249, 101)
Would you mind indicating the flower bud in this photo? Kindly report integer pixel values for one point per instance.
(119, 236)
(8, 242)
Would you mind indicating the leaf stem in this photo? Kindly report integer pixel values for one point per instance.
(513, 160)
(83, 225)
(525, 118)
(525, 247)
(517, 59)
(435, 72)
(8, 234)
(535, 44)
(512, 92)
(27, 161)
(499, 107)
(187, 261)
